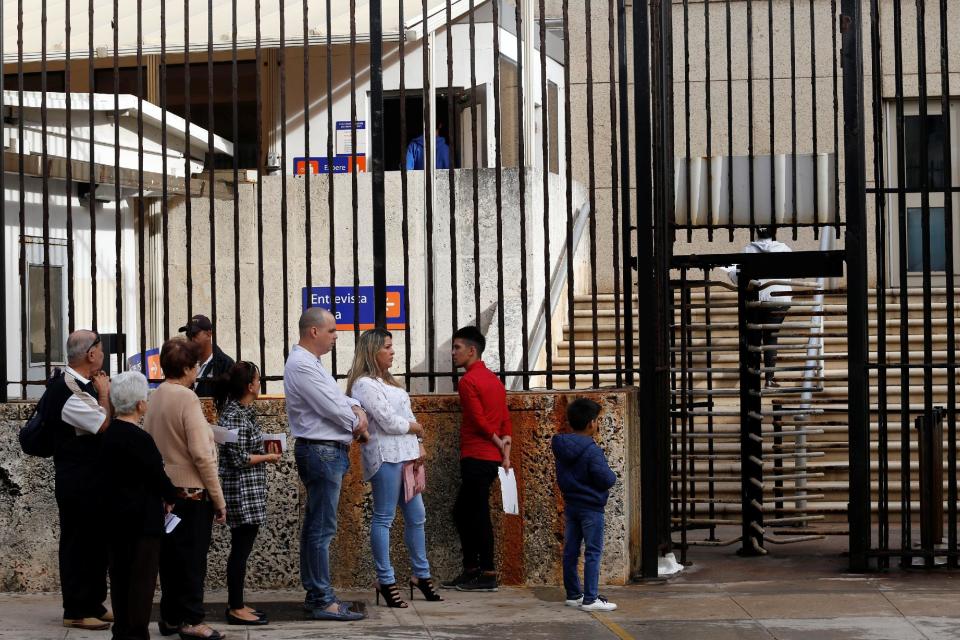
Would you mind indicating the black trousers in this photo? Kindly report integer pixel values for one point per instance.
(83, 559)
(133, 579)
(241, 544)
(471, 513)
(768, 337)
(183, 563)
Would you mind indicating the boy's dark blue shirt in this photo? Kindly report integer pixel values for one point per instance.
(583, 474)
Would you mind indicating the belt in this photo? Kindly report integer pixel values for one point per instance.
(191, 494)
(327, 443)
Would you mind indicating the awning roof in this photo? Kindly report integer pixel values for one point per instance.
(198, 23)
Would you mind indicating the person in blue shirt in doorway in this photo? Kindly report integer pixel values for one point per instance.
(416, 153)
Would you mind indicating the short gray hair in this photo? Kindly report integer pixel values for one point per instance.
(126, 390)
(79, 343)
(314, 317)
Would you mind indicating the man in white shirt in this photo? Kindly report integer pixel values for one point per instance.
(324, 421)
(77, 410)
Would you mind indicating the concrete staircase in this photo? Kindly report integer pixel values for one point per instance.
(824, 458)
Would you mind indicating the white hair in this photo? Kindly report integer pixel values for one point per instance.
(126, 390)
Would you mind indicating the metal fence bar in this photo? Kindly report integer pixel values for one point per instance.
(212, 177)
(858, 345)
(379, 231)
(545, 146)
(475, 160)
(118, 211)
(404, 196)
(164, 189)
(951, 294)
(45, 190)
(592, 187)
(905, 497)
(331, 184)
(187, 169)
(354, 185)
(261, 165)
(568, 135)
(308, 213)
(883, 458)
(498, 186)
(235, 99)
(92, 186)
(68, 140)
(451, 185)
(141, 213)
(428, 174)
(522, 191)
(614, 190)
(626, 220)
(284, 248)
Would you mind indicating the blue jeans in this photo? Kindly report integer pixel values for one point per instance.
(582, 526)
(387, 495)
(321, 469)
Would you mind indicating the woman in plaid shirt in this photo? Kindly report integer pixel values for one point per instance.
(244, 480)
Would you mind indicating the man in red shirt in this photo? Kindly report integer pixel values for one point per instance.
(485, 439)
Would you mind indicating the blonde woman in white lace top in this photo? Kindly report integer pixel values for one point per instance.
(395, 439)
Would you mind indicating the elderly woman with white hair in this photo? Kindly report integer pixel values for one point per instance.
(138, 496)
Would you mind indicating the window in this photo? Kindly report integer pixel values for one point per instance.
(938, 255)
(37, 303)
(34, 81)
(245, 146)
(103, 80)
(913, 135)
(919, 151)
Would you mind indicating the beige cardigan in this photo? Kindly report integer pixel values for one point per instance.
(185, 440)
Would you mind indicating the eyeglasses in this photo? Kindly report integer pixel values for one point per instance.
(95, 343)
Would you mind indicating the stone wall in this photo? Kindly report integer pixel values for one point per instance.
(528, 546)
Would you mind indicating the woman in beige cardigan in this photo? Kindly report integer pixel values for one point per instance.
(185, 440)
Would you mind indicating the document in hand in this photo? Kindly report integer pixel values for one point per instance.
(508, 489)
(274, 442)
(222, 435)
(170, 522)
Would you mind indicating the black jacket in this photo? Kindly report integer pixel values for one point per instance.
(583, 474)
(136, 484)
(219, 365)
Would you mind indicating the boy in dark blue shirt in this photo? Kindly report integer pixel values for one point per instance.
(585, 479)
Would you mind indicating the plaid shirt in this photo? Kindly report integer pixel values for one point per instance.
(244, 486)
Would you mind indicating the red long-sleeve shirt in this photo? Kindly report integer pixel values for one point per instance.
(483, 401)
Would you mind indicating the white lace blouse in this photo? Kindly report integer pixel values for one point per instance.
(389, 414)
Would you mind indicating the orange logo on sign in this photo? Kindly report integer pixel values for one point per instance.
(393, 304)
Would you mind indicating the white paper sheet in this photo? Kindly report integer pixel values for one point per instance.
(508, 489)
(222, 435)
(275, 437)
(170, 522)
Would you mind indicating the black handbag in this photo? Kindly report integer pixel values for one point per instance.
(35, 438)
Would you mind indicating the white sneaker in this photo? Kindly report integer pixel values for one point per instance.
(600, 604)
(575, 603)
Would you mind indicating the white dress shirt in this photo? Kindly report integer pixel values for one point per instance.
(82, 411)
(317, 408)
(389, 414)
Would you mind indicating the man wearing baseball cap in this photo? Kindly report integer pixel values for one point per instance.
(213, 361)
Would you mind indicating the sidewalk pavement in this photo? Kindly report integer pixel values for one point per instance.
(795, 594)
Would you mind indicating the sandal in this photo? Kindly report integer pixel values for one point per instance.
(202, 631)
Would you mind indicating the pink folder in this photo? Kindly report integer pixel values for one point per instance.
(414, 479)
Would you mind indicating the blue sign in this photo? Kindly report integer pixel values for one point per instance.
(357, 310)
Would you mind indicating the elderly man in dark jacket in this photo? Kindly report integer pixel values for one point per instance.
(585, 479)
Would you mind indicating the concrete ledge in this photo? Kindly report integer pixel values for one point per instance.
(528, 546)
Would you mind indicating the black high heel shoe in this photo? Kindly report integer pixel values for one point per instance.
(426, 588)
(391, 595)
